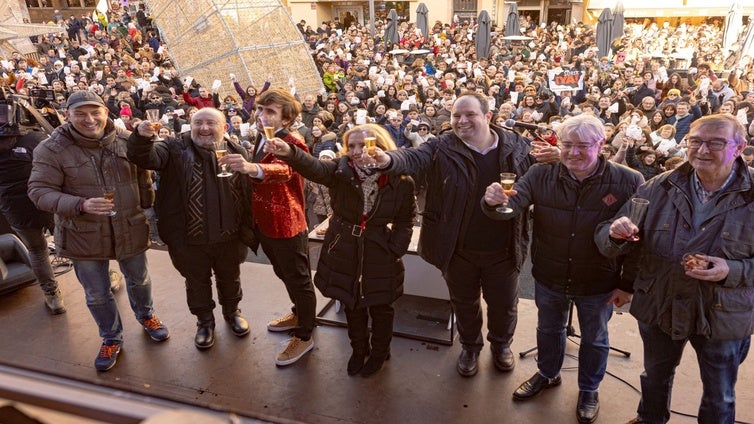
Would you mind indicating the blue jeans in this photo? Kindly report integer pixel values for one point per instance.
(39, 256)
(718, 366)
(94, 277)
(552, 317)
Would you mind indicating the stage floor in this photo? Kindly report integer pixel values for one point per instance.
(418, 385)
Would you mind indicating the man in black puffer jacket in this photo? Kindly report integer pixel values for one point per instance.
(476, 254)
(571, 198)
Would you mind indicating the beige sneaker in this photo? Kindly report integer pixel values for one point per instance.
(285, 323)
(294, 351)
(54, 302)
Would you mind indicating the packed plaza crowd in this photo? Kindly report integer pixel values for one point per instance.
(417, 99)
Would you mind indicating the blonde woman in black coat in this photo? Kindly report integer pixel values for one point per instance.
(369, 232)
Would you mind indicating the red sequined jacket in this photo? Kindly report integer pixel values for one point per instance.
(278, 199)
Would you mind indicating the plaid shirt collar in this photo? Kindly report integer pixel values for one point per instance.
(705, 196)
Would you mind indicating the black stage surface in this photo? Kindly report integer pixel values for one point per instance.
(418, 385)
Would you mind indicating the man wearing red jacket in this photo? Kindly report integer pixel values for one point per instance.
(279, 219)
(205, 99)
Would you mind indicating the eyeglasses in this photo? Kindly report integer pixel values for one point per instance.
(423, 129)
(567, 145)
(672, 95)
(712, 145)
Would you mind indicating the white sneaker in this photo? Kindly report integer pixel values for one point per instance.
(54, 302)
(295, 349)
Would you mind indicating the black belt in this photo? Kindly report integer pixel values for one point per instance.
(355, 230)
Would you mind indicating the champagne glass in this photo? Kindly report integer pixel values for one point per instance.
(269, 130)
(108, 192)
(636, 213)
(221, 150)
(506, 180)
(370, 143)
(153, 116)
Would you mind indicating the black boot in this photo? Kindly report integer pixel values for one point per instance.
(238, 324)
(358, 333)
(382, 334)
(205, 333)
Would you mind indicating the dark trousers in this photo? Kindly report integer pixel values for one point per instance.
(39, 255)
(290, 262)
(718, 367)
(382, 329)
(495, 277)
(196, 263)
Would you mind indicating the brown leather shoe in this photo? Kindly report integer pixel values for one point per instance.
(534, 386)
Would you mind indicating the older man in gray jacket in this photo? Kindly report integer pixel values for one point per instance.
(696, 279)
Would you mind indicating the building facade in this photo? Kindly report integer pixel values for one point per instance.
(314, 12)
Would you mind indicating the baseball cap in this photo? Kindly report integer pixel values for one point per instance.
(169, 109)
(82, 98)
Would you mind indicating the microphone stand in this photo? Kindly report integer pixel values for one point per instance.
(571, 332)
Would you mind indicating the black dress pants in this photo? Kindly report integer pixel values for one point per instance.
(290, 262)
(493, 275)
(197, 263)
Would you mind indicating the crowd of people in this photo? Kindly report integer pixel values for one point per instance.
(428, 115)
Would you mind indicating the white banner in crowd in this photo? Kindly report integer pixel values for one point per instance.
(565, 80)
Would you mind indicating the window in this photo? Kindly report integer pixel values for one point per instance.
(465, 9)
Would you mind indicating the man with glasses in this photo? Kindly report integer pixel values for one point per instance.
(571, 198)
(421, 135)
(697, 269)
(155, 102)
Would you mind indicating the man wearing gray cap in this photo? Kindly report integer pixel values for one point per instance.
(82, 175)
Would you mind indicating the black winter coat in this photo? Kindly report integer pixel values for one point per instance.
(361, 267)
(174, 159)
(451, 186)
(564, 255)
(15, 168)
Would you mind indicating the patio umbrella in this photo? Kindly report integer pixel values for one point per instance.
(733, 25)
(604, 32)
(422, 21)
(391, 29)
(747, 49)
(512, 24)
(618, 21)
(482, 41)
